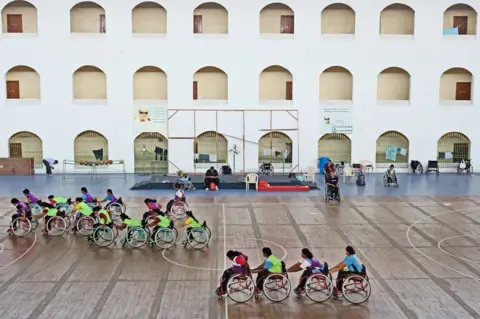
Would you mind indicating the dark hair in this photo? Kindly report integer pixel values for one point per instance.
(307, 253)
(350, 250)
(190, 214)
(109, 191)
(391, 166)
(96, 209)
(211, 167)
(46, 205)
(55, 162)
(159, 212)
(26, 191)
(124, 216)
(14, 201)
(51, 197)
(231, 254)
(79, 199)
(177, 185)
(84, 189)
(147, 200)
(267, 251)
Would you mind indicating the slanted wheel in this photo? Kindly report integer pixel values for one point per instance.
(165, 238)
(198, 238)
(136, 237)
(179, 210)
(116, 209)
(277, 287)
(356, 289)
(85, 225)
(319, 288)
(21, 227)
(240, 288)
(56, 226)
(34, 223)
(103, 236)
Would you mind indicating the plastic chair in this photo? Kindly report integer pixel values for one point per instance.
(367, 166)
(251, 179)
(310, 172)
(348, 172)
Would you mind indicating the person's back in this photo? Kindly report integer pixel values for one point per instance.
(273, 264)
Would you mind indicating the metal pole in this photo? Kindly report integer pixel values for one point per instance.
(271, 138)
(298, 141)
(194, 139)
(243, 113)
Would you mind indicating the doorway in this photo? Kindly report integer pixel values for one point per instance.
(463, 91)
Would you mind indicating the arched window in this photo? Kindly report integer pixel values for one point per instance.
(26, 145)
(150, 153)
(90, 146)
(452, 148)
(275, 148)
(392, 148)
(337, 147)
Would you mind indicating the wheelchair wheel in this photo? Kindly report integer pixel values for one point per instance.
(85, 225)
(136, 237)
(327, 198)
(165, 238)
(277, 287)
(56, 226)
(240, 288)
(319, 288)
(179, 210)
(339, 170)
(356, 289)
(36, 209)
(385, 181)
(116, 209)
(34, 223)
(198, 238)
(22, 228)
(64, 208)
(103, 236)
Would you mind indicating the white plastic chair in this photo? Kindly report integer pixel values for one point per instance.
(367, 166)
(348, 172)
(310, 172)
(251, 179)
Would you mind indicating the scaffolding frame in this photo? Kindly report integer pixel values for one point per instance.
(294, 113)
(91, 169)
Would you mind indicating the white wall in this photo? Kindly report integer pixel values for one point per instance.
(55, 54)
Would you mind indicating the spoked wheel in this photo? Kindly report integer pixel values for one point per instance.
(116, 209)
(356, 289)
(21, 227)
(165, 238)
(36, 209)
(103, 236)
(240, 288)
(198, 238)
(277, 287)
(179, 210)
(85, 225)
(56, 226)
(319, 288)
(64, 208)
(136, 237)
(34, 223)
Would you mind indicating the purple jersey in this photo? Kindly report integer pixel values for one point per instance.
(88, 198)
(32, 198)
(23, 206)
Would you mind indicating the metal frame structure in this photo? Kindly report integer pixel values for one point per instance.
(92, 170)
(294, 113)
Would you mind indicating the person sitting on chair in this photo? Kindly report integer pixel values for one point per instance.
(390, 173)
(332, 184)
(329, 167)
(211, 176)
(179, 196)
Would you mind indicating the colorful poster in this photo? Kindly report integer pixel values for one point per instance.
(337, 120)
(151, 119)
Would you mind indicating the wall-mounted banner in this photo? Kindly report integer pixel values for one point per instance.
(337, 120)
(151, 119)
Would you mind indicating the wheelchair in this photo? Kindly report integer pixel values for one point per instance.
(23, 226)
(339, 169)
(35, 208)
(56, 225)
(389, 181)
(465, 167)
(136, 237)
(329, 196)
(64, 207)
(266, 169)
(240, 288)
(103, 236)
(186, 184)
(179, 210)
(432, 166)
(85, 224)
(164, 238)
(416, 167)
(356, 288)
(318, 288)
(116, 208)
(198, 238)
(277, 286)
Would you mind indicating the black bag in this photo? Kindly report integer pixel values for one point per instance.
(360, 180)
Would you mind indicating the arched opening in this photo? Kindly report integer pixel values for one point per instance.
(89, 83)
(150, 153)
(210, 18)
(275, 148)
(210, 83)
(23, 82)
(393, 84)
(456, 85)
(19, 17)
(149, 18)
(277, 18)
(90, 146)
(338, 18)
(337, 147)
(336, 83)
(397, 18)
(210, 148)
(275, 83)
(452, 148)
(87, 17)
(460, 19)
(26, 145)
(150, 83)
(392, 148)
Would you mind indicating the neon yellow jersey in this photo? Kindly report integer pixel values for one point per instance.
(132, 222)
(164, 222)
(276, 264)
(104, 221)
(52, 212)
(192, 223)
(60, 200)
(84, 209)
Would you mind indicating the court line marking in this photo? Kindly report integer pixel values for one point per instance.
(439, 245)
(225, 252)
(21, 256)
(430, 258)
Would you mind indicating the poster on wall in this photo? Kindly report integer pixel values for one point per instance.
(337, 120)
(151, 119)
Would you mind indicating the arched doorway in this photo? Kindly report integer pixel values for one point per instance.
(392, 148)
(90, 146)
(150, 153)
(452, 148)
(275, 148)
(26, 145)
(337, 147)
(210, 148)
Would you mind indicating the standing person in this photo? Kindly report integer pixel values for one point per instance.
(48, 162)
(211, 176)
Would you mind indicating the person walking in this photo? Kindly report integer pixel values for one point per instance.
(48, 162)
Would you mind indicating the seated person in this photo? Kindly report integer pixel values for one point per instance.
(332, 184)
(239, 266)
(349, 265)
(48, 211)
(271, 265)
(328, 167)
(104, 220)
(391, 176)
(211, 176)
(31, 199)
(309, 265)
(81, 208)
(151, 205)
(179, 196)
(182, 177)
(127, 223)
(193, 223)
(23, 211)
(59, 200)
(110, 198)
(87, 198)
(158, 221)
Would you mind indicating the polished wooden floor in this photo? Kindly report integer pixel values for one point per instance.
(411, 278)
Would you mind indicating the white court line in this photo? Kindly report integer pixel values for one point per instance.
(22, 255)
(430, 258)
(448, 253)
(225, 252)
